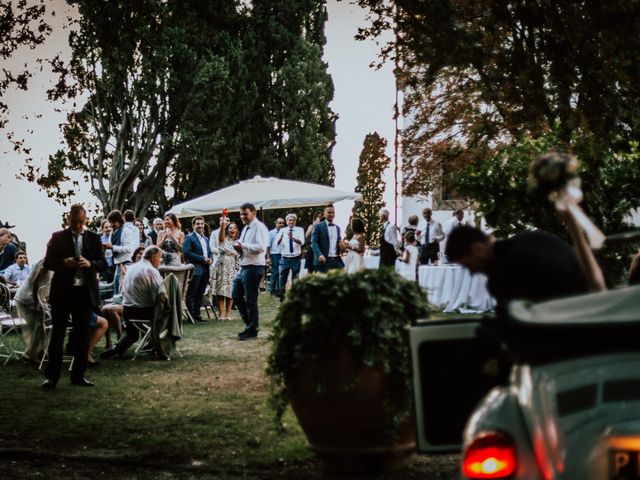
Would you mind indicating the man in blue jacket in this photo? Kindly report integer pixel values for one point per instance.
(196, 250)
(326, 242)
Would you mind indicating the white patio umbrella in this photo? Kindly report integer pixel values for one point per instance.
(264, 193)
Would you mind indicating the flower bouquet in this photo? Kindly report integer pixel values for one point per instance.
(555, 175)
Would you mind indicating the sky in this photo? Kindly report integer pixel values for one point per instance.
(363, 100)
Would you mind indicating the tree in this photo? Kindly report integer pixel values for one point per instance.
(373, 162)
(189, 96)
(294, 124)
(480, 76)
(21, 25)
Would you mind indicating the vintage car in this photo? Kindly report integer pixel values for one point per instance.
(550, 392)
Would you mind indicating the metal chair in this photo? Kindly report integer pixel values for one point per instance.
(47, 325)
(9, 325)
(183, 273)
(208, 304)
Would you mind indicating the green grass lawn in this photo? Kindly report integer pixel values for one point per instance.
(206, 409)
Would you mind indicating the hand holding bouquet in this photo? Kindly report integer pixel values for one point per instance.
(556, 175)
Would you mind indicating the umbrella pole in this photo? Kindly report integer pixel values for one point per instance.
(261, 215)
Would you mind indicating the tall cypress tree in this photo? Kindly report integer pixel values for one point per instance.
(296, 125)
(373, 163)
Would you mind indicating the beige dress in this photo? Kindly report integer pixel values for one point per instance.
(226, 268)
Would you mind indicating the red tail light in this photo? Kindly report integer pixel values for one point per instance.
(491, 455)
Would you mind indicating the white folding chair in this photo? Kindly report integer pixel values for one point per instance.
(47, 325)
(10, 327)
(144, 340)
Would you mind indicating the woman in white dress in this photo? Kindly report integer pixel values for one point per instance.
(355, 248)
(407, 264)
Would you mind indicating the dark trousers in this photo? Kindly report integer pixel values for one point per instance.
(332, 263)
(131, 333)
(429, 252)
(245, 290)
(274, 281)
(195, 293)
(288, 265)
(78, 306)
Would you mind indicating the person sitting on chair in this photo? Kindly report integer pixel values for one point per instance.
(139, 296)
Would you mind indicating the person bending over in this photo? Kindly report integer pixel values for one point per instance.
(532, 265)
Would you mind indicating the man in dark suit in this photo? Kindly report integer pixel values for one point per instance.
(326, 242)
(196, 250)
(76, 257)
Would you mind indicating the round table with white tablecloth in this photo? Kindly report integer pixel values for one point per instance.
(452, 288)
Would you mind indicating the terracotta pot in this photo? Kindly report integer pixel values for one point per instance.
(352, 430)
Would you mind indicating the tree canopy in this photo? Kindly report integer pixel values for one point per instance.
(187, 96)
(480, 77)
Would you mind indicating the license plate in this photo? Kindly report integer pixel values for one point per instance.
(624, 465)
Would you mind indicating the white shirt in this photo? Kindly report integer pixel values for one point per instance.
(274, 248)
(451, 224)
(15, 274)
(391, 234)
(284, 244)
(254, 239)
(333, 240)
(78, 238)
(203, 244)
(130, 240)
(214, 242)
(435, 231)
(141, 285)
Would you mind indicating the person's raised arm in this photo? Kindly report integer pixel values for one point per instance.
(587, 260)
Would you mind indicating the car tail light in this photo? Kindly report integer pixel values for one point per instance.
(490, 455)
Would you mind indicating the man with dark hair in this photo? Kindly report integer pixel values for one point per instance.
(274, 255)
(19, 271)
(252, 246)
(7, 249)
(326, 241)
(532, 265)
(124, 241)
(75, 256)
(429, 234)
(197, 251)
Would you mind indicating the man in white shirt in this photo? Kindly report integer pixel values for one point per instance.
(252, 247)
(456, 221)
(18, 272)
(388, 241)
(139, 296)
(273, 258)
(290, 240)
(430, 234)
(124, 241)
(214, 240)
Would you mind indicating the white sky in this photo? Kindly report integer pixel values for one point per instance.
(363, 100)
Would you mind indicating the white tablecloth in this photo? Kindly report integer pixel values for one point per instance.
(370, 263)
(452, 288)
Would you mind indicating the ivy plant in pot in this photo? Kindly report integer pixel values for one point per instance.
(340, 357)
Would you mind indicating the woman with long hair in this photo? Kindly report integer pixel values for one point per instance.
(355, 248)
(170, 240)
(226, 268)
